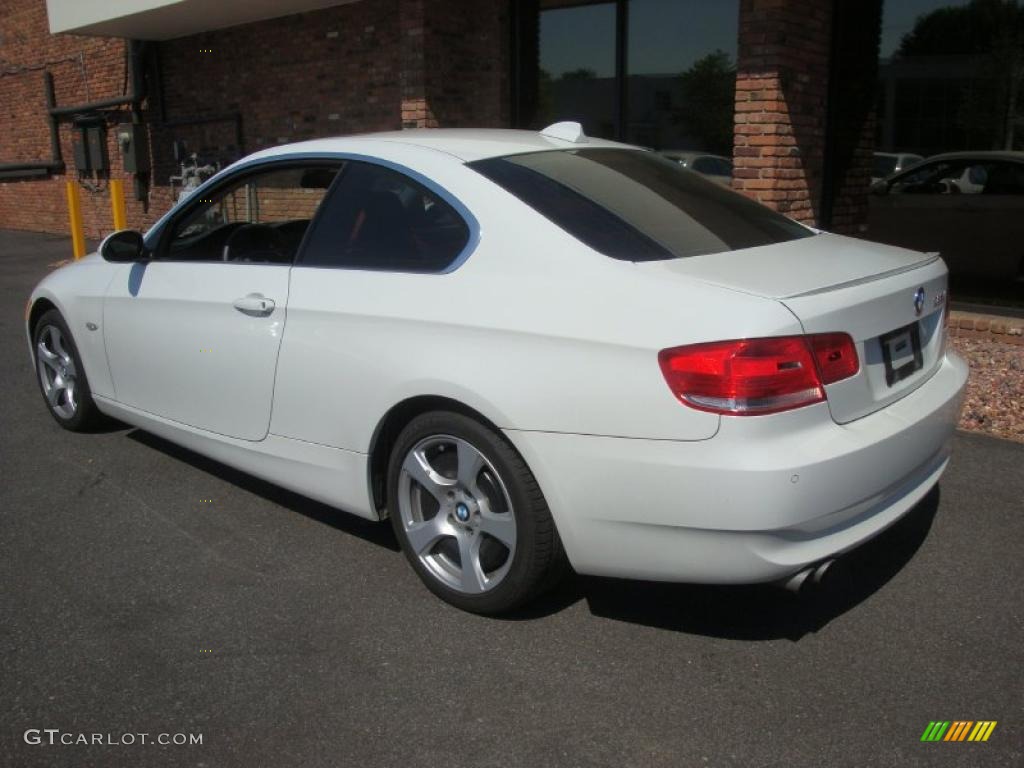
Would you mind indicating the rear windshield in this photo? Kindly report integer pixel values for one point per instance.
(634, 205)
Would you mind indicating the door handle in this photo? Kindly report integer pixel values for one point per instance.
(255, 304)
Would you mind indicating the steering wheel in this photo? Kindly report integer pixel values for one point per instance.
(256, 242)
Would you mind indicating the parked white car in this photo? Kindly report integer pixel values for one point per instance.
(525, 348)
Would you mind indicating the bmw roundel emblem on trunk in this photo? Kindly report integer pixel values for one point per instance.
(919, 301)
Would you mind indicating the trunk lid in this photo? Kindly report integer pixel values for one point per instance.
(798, 267)
(890, 300)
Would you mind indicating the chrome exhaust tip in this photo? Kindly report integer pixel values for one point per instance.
(823, 568)
(796, 582)
(812, 575)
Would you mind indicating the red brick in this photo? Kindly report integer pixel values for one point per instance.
(392, 63)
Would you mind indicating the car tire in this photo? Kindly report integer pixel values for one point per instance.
(458, 490)
(61, 375)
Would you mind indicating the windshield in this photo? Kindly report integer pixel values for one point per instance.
(633, 205)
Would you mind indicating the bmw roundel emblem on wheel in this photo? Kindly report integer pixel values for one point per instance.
(526, 352)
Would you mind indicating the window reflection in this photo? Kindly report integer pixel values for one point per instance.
(951, 76)
(576, 79)
(952, 90)
(679, 59)
(682, 74)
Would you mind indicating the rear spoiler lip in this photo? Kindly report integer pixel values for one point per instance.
(931, 257)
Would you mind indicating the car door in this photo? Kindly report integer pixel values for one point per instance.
(370, 258)
(924, 209)
(994, 198)
(193, 334)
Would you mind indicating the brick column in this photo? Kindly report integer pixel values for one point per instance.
(455, 63)
(413, 77)
(781, 100)
(794, 150)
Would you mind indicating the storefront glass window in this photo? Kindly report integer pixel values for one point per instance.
(681, 66)
(576, 78)
(660, 73)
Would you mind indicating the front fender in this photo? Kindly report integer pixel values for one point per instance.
(77, 291)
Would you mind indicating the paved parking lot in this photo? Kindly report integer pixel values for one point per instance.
(289, 634)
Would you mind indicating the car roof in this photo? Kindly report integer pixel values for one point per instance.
(690, 154)
(465, 144)
(983, 155)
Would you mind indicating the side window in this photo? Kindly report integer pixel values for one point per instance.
(377, 218)
(703, 165)
(1004, 179)
(713, 166)
(940, 178)
(261, 218)
(722, 167)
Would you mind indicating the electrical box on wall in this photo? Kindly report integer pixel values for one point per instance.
(96, 138)
(134, 146)
(82, 163)
(90, 144)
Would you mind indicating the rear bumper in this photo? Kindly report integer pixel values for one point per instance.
(763, 499)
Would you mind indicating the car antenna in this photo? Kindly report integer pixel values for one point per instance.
(567, 131)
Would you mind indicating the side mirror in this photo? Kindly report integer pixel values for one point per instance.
(123, 246)
(879, 188)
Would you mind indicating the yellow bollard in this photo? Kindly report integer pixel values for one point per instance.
(75, 213)
(117, 204)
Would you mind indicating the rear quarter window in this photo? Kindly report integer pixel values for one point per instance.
(377, 218)
(634, 205)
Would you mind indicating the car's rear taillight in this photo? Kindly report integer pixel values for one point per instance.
(748, 377)
(836, 356)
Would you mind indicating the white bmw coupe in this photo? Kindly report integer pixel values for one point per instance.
(527, 350)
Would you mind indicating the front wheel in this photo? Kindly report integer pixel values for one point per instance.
(61, 375)
(470, 516)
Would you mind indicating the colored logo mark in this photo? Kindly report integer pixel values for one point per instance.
(958, 730)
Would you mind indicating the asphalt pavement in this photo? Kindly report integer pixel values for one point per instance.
(147, 590)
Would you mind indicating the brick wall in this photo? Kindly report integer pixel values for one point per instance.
(383, 64)
(785, 60)
(83, 69)
(365, 66)
(467, 57)
(292, 78)
(455, 70)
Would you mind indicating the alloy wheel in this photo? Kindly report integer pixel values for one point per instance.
(57, 372)
(457, 514)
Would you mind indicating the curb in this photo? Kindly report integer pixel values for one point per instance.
(971, 325)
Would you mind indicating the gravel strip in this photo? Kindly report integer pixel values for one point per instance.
(995, 390)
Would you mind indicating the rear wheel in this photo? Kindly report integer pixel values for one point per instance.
(61, 376)
(470, 516)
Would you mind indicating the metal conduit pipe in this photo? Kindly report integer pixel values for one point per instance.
(40, 167)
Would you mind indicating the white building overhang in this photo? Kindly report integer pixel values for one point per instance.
(167, 19)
